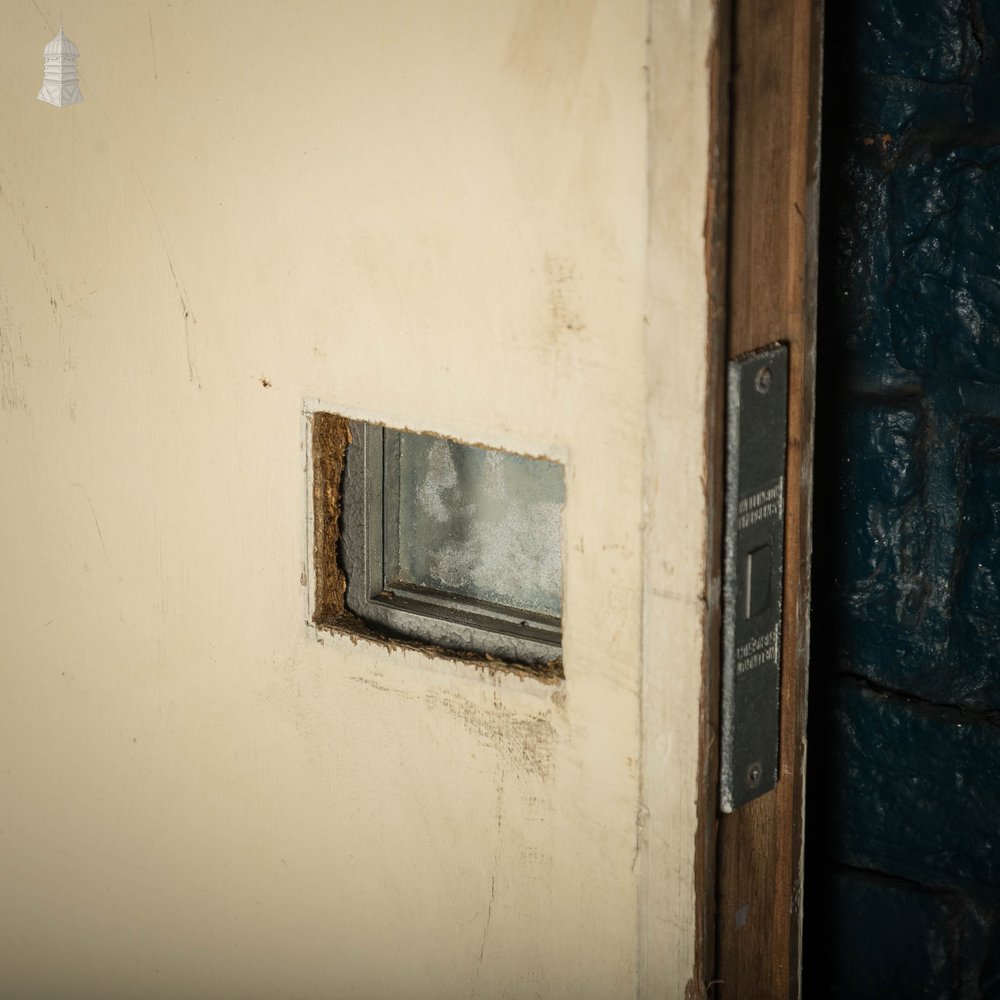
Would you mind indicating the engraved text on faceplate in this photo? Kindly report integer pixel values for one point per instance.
(762, 504)
(759, 651)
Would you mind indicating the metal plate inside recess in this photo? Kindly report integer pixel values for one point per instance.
(756, 429)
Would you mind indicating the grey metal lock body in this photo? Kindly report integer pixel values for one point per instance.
(756, 432)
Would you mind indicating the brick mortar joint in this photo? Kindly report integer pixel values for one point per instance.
(954, 712)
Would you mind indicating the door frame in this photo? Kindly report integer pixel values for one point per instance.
(762, 252)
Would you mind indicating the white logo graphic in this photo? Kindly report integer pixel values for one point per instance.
(60, 86)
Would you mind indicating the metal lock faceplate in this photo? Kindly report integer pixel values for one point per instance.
(756, 431)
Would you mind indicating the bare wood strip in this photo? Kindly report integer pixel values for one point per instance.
(772, 271)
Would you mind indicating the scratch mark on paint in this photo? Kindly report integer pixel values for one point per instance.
(20, 212)
(493, 880)
(188, 315)
(52, 288)
(486, 926)
(44, 17)
(93, 512)
(186, 312)
(152, 45)
(69, 305)
(379, 687)
(641, 819)
(12, 358)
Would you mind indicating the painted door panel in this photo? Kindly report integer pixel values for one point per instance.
(480, 220)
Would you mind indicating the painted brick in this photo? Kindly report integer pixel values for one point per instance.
(859, 319)
(989, 978)
(907, 567)
(891, 626)
(922, 39)
(889, 107)
(893, 939)
(916, 791)
(917, 564)
(976, 634)
(944, 215)
(880, 481)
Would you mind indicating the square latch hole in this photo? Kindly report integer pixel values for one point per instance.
(758, 581)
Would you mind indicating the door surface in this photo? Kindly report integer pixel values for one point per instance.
(480, 220)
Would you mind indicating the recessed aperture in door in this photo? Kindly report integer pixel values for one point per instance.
(452, 545)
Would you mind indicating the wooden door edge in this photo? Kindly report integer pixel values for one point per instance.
(716, 278)
(811, 128)
(773, 186)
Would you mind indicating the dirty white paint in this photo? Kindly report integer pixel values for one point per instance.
(450, 216)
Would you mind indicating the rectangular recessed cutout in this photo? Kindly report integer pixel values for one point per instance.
(758, 580)
(421, 540)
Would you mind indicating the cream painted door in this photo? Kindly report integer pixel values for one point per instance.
(484, 220)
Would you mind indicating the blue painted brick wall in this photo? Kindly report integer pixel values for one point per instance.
(918, 791)
(903, 823)
(911, 941)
